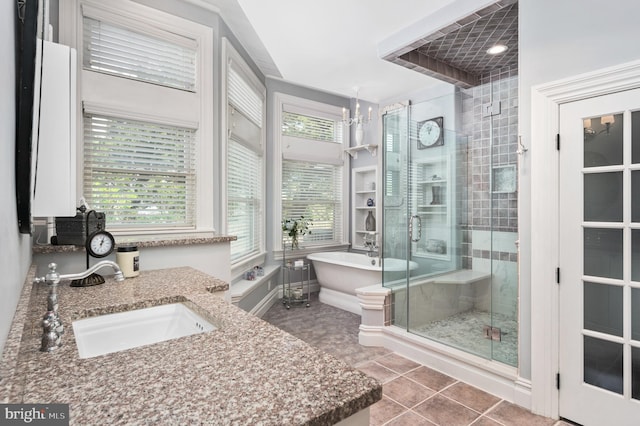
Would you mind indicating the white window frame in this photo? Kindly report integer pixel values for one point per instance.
(147, 101)
(324, 153)
(231, 55)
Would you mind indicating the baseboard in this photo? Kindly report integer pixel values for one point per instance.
(265, 304)
(371, 336)
(522, 394)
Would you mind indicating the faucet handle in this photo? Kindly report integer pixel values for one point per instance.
(52, 276)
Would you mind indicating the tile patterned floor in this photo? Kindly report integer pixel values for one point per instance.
(413, 394)
(464, 330)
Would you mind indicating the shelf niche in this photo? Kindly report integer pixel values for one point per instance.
(364, 181)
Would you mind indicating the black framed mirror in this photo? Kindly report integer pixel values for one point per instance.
(27, 12)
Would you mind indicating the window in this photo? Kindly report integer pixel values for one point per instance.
(168, 61)
(245, 158)
(312, 128)
(139, 173)
(313, 179)
(313, 190)
(147, 101)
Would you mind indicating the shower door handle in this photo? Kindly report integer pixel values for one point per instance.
(415, 240)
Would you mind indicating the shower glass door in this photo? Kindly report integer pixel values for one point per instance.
(396, 208)
(438, 209)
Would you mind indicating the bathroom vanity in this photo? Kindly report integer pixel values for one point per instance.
(244, 372)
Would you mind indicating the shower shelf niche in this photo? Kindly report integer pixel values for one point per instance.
(433, 206)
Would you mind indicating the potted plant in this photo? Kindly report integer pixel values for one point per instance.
(296, 227)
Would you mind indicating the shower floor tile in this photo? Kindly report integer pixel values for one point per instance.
(465, 331)
(413, 394)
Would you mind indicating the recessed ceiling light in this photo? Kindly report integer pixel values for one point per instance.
(498, 48)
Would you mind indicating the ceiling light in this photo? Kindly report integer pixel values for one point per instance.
(497, 49)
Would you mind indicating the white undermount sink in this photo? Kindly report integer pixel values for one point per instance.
(125, 330)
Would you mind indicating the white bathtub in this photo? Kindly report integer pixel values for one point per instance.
(340, 273)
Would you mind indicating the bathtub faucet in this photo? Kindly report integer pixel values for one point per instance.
(371, 248)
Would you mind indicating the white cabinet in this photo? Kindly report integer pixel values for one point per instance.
(54, 141)
(364, 200)
(433, 206)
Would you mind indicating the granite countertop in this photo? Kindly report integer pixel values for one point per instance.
(141, 242)
(245, 372)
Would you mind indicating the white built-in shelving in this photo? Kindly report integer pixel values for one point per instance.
(364, 187)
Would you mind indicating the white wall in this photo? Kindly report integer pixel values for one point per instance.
(212, 259)
(15, 249)
(559, 39)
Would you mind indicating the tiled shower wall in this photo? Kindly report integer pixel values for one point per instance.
(490, 198)
(490, 154)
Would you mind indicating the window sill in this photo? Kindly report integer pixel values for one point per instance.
(143, 242)
(241, 266)
(174, 240)
(240, 289)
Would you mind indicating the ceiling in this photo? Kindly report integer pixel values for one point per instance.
(338, 46)
(458, 53)
(466, 47)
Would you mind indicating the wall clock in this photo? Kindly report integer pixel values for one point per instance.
(430, 133)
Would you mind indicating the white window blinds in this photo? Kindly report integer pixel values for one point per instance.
(244, 197)
(309, 127)
(245, 164)
(169, 61)
(244, 98)
(313, 190)
(141, 174)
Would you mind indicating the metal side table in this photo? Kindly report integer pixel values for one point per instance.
(296, 294)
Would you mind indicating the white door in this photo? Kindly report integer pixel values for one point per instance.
(599, 293)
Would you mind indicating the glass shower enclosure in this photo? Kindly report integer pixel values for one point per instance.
(447, 200)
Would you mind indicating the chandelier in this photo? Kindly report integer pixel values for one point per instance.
(357, 119)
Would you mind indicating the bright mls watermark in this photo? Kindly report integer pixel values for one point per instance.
(34, 414)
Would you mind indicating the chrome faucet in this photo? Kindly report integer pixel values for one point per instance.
(52, 328)
(53, 277)
(371, 246)
(371, 249)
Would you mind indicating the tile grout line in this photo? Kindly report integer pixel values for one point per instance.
(458, 402)
(485, 417)
(375, 363)
(388, 380)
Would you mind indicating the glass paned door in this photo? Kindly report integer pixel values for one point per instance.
(599, 293)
